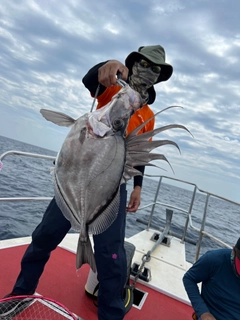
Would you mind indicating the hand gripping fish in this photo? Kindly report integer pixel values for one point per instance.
(94, 160)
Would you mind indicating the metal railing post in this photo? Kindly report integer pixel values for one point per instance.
(189, 212)
(202, 228)
(155, 200)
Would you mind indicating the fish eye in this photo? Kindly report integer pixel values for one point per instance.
(118, 124)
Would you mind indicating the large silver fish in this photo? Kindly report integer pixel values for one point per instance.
(94, 160)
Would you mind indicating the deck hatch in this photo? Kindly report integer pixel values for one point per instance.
(139, 298)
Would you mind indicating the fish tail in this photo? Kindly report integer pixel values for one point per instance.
(85, 254)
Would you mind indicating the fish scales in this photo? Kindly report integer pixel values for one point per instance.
(88, 177)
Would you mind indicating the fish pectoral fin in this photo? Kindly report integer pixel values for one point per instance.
(59, 118)
(85, 254)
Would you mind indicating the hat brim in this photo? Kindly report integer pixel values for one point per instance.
(238, 244)
(166, 69)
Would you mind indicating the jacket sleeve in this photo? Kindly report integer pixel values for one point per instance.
(199, 272)
(90, 80)
(139, 179)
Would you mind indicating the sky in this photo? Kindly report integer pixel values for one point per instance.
(46, 47)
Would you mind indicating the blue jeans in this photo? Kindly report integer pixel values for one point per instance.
(109, 254)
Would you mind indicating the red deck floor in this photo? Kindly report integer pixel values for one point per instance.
(60, 282)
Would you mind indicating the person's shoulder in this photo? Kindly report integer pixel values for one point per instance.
(146, 110)
(217, 255)
(219, 251)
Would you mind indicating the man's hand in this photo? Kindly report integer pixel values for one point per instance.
(107, 73)
(134, 201)
(207, 316)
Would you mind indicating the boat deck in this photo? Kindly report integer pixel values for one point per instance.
(164, 296)
(167, 264)
(61, 282)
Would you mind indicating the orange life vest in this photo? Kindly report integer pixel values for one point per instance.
(137, 118)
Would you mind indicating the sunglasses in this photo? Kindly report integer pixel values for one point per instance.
(145, 64)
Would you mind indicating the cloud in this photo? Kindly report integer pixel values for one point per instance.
(47, 47)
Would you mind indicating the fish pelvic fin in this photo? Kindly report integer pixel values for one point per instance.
(59, 118)
(85, 254)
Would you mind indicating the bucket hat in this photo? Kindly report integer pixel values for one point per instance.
(156, 55)
(238, 244)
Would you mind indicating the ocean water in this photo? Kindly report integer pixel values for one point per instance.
(27, 177)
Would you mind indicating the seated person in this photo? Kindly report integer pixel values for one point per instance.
(219, 273)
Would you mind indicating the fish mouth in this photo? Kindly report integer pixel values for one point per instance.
(104, 112)
(99, 128)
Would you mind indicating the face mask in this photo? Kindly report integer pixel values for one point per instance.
(143, 76)
(235, 264)
(142, 79)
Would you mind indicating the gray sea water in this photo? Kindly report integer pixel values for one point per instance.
(27, 177)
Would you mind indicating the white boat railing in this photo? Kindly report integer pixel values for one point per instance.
(26, 154)
(153, 205)
(188, 212)
(31, 155)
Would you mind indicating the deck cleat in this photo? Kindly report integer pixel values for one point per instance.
(166, 241)
(135, 268)
(146, 274)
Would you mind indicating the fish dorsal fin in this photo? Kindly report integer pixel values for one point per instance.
(135, 131)
(139, 147)
(59, 118)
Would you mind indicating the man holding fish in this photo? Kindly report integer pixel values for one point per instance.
(143, 69)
